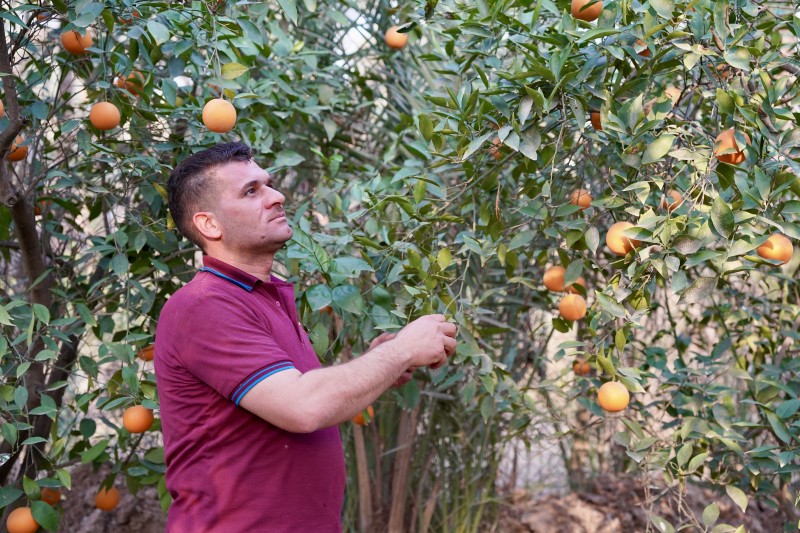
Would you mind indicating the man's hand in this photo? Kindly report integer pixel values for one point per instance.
(431, 339)
(406, 376)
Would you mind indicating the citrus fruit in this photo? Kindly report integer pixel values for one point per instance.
(672, 200)
(20, 520)
(107, 500)
(639, 44)
(594, 118)
(613, 397)
(133, 82)
(394, 39)
(137, 419)
(727, 141)
(147, 353)
(580, 11)
(51, 496)
(581, 198)
(104, 116)
(572, 307)
(554, 280)
(219, 115)
(76, 43)
(777, 247)
(616, 240)
(361, 420)
(581, 367)
(17, 152)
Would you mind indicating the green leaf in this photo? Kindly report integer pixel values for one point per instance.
(658, 149)
(42, 313)
(620, 340)
(159, 32)
(662, 524)
(686, 245)
(684, 453)
(779, 427)
(94, 452)
(426, 127)
(710, 514)
(722, 218)
(663, 8)
(592, 238)
(573, 272)
(9, 495)
(699, 290)
(696, 462)
(787, 408)
(474, 145)
(739, 57)
(231, 71)
(5, 318)
(45, 516)
(444, 258)
(738, 496)
(530, 140)
(610, 305)
(290, 9)
(120, 264)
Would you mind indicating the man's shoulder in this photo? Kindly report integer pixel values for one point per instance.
(205, 288)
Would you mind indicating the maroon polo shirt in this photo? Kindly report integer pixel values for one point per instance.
(227, 469)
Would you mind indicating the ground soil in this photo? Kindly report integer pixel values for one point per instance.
(611, 505)
(608, 505)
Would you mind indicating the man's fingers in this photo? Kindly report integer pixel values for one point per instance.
(449, 329)
(449, 346)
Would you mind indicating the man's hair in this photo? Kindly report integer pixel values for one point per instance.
(191, 184)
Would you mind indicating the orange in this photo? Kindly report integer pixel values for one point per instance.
(581, 198)
(590, 13)
(617, 242)
(497, 144)
(75, 43)
(676, 200)
(51, 496)
(133, 83)
(646, 51)
(17, 152)
(147, 353)
(2, 110)
(581, 367)
(219, 115)
(554, 280)
(777, 247)
(360, 420)
(394, 39)
(727, 141)
(572, 307)
(107, 500)
(613, 397)
(594, 118)
(134, 14)
(137, 419)
(20, 520)
(104, 116)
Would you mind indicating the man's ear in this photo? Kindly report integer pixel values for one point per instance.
(208, 225)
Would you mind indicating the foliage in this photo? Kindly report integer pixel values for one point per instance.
(401, 208)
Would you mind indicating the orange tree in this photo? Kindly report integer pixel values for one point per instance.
(434, 177)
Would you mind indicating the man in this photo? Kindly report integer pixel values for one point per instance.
(249, 418)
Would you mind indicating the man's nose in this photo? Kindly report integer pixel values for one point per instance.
(274, 197)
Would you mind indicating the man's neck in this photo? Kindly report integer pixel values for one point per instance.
(258, 266)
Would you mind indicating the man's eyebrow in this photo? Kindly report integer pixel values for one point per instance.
(251, 183)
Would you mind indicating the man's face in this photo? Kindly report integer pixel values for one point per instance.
(248, 211)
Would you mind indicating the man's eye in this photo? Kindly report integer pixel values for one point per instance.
(250, 191)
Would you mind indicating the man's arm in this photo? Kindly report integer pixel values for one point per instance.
(303, 403)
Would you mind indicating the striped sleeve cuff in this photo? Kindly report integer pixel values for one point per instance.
(258, 376)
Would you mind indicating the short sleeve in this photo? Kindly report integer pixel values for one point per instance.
(227, 345)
